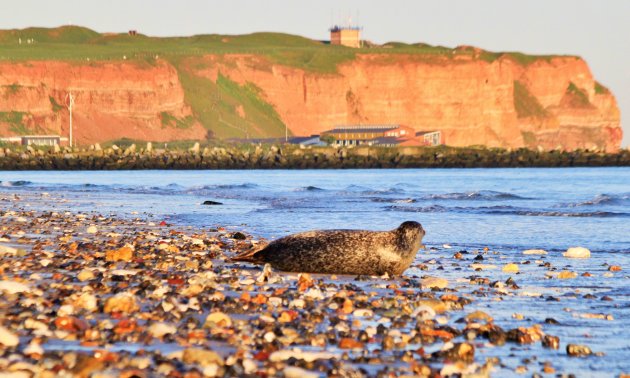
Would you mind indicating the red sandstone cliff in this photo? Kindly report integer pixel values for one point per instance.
(112, 100)
(472, 101)
(547, 103)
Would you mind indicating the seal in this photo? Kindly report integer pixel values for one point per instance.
(356, 252)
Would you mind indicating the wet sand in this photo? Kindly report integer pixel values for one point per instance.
(95, 295)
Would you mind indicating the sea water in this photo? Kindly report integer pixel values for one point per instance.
(506, 210)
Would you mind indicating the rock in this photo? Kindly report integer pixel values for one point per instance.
(12, 287)
(239, 236)
(349, 343)
(510, 268)
(479, 315)
(87, 301)
(211, 203)
(6, 250)
(458, 352)
(576, 350)
(565, 274)
(614, 268)
(283, 355)
(577, 253)
(552, 342)
(122, 302)
(201, 357)
(218, 319)
(8, 338)
(92, 230)
(122, 254)
(434, 282)
(85, 275)
(296, 372)
(535, 252)
(160, 329)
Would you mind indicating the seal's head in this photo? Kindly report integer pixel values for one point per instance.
(410, 236)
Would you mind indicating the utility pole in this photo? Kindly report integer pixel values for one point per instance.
(70, 99)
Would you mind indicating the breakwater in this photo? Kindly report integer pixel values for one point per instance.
(296, 157)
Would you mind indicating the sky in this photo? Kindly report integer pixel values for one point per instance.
(596, 30)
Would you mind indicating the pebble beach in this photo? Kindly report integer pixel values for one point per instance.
(95, 295)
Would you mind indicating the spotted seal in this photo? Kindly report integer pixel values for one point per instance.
(342, 251)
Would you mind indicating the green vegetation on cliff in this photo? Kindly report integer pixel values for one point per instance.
(525, 103)
(78, 43)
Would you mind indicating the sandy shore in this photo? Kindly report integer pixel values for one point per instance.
(93, 295)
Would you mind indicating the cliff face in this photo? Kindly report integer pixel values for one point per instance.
(112, 100)
(550, 103)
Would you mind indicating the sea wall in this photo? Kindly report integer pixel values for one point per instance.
(283, 157)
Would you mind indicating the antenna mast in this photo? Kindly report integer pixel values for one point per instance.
(70, 99)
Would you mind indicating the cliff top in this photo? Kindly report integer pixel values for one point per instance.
(79, 43)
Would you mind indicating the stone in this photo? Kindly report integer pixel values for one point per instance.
(577, 253)
(160, 329)
(552, 342)
(92, 230)
(576, 350)
(85, 275)
(479, 315)
(211, 203)
(123, 302)
(8, 338)
(12, 287)
(202, 357)
(565, 274)
(218, 319)
(510, 268)
(296, 372)
(535, 252)
(434, 282)
(122, 254)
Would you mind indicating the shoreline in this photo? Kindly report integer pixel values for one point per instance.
(85, 293)
(296, 157)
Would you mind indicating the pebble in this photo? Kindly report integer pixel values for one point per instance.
(8, 338)
(123, 302)
(577, 350)
(218, 319)
(296, 372)
(577, 253)
(122, 254)
(12, 287)
(565, 274)
(202, 357)
(535, 252)
(160, 329)
(510, 268)
(92, 230)
(85, 275)
(434, 282)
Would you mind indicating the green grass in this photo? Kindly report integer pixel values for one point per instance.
(12, 89)
(14, 120)
(577, 96)
(227, 109)
(80, 44)
(169, 120)
(525, 103)
(600, 89)
(55, 105)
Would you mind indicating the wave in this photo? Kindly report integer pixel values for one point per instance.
(600, 200)
(486, 195)
(505, 210)
(393, 200)
(15, 183)
(310, 188)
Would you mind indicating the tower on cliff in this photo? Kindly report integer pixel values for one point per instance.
(348, 35)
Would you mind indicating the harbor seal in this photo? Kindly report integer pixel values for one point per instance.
(356, 252)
